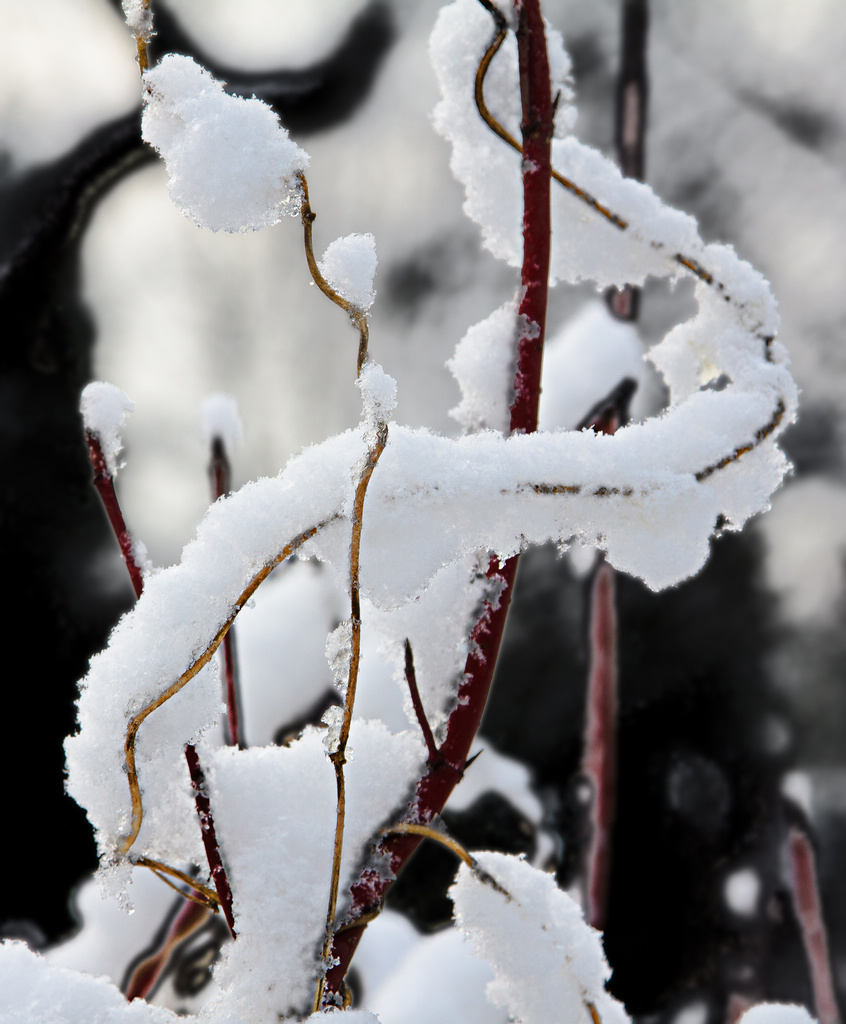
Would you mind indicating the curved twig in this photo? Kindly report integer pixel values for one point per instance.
(689, 264)
(356, 315)
(200, 893)
(199, 663)
(338, 756)
(410, 828)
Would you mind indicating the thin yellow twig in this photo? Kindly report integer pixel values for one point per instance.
(356, 315)
(338, 756)
(409, 828)
(201, 894)
(199, 663)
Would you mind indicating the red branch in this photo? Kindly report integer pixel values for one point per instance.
(220, 474)
(106, 489)
(599, 761)
(189, 918)
(218, 872)
(806, 900)
(441, 778)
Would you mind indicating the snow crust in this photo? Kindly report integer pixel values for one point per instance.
(349, 266)
(104, 410)
(231, 166)
(536, 940)
(219, 418)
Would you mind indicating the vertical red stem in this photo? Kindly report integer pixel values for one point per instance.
(218, 872)
(435, 787)
(106, 489)
(806, 900)
(599, 762)
(220, 474)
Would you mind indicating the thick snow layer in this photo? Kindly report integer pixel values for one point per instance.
(33, 991)
(349, 266)
(104, 410)
(483, 365)
(530, 931)
(231, 166)
(276, 806)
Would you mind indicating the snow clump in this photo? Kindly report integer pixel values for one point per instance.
(104, 409)
(349, 266)
(230, 165)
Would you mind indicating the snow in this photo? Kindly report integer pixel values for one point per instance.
(777, 1013)
(483, 365)
(231, 166)
(32, 991)
(276, 806)
(104, 410)
(139, 18)
(349, 266)
(743, 891)
(219, 418)
(528, 929)
(583, 362)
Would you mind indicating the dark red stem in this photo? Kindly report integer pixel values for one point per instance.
(106, 489)
(630, 129)
(417, 704)
(808, 906)
(220, 474)
(436, 785)
(599, 761)
(218, 872)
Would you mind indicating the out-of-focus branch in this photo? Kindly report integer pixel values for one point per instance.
(808, 905)
(630, 125)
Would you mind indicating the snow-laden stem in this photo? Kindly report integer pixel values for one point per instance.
(357, 316)
(435, 787)
(338, 755)
(105, 485)
(216, 868)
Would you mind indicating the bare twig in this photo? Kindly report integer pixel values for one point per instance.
(105, 486)
(426, 832)
(197, 891)
(216, 868)
(417, 704)
(357, 316)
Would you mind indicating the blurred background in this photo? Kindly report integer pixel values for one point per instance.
(731, 685)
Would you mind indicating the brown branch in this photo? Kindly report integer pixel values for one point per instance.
(198, 892)
(136, 721)
(338, 756)
(356, 315)
(216, 868)
(417, 704)
(105, 486)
